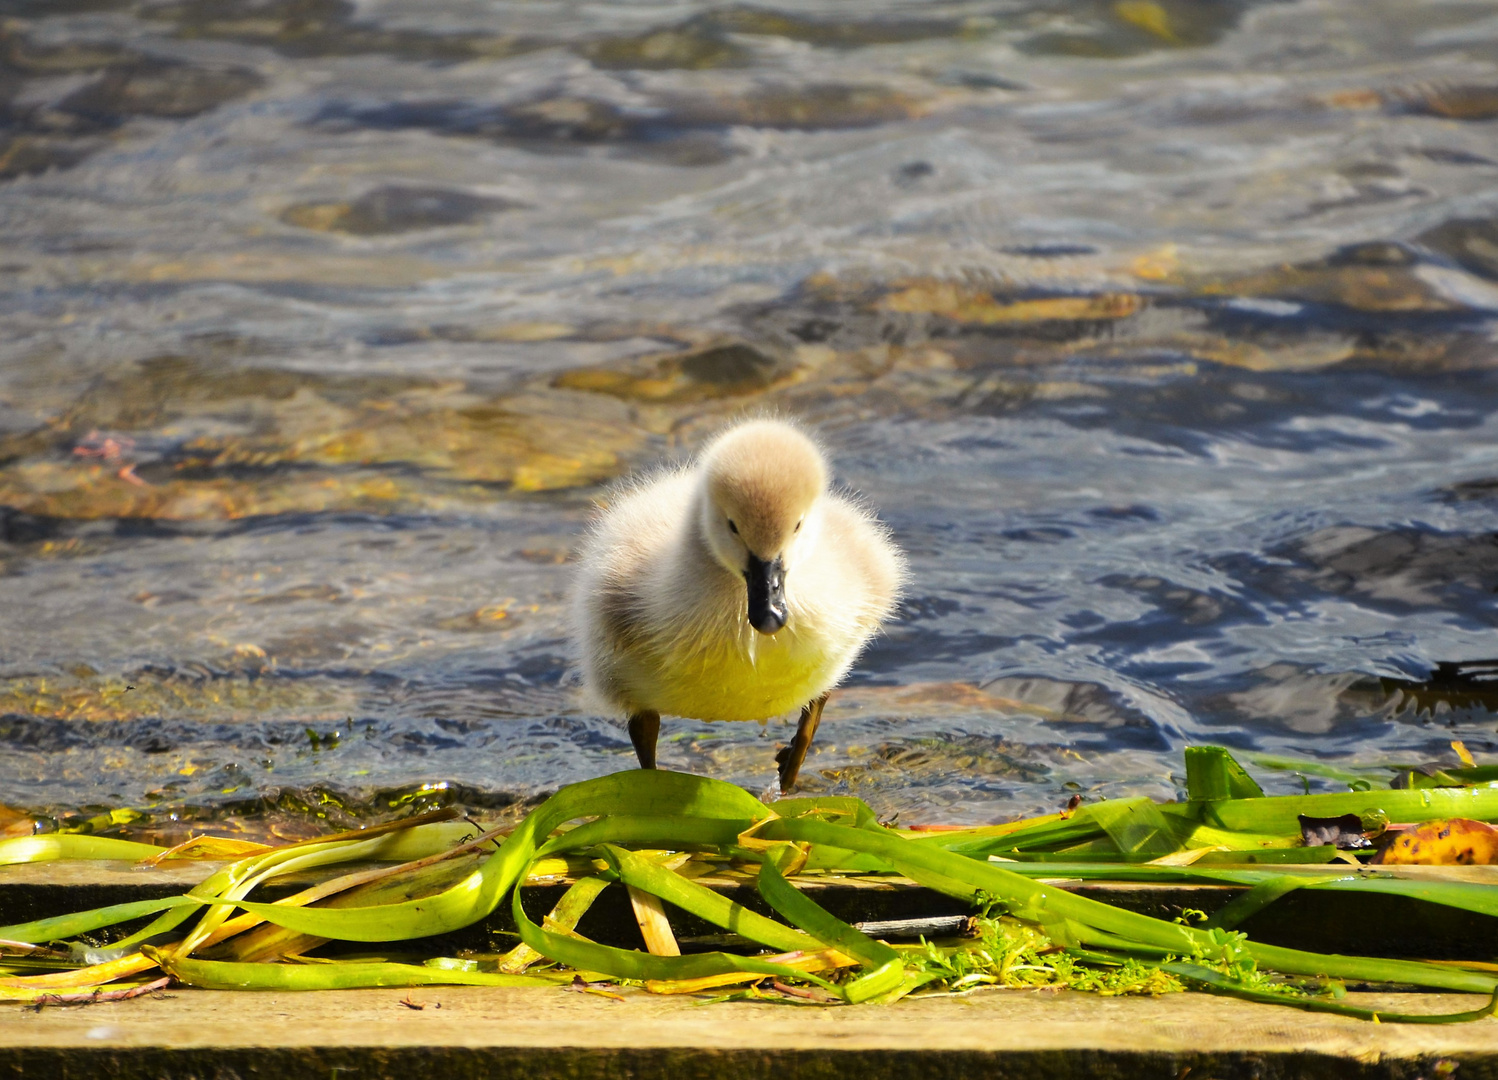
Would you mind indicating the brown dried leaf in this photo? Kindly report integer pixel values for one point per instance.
(15, 822)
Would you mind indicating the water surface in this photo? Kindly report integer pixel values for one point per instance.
(1161, 333)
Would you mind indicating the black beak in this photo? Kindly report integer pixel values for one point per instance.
(766, 581)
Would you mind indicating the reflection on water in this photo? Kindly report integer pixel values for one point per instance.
(1163, 332)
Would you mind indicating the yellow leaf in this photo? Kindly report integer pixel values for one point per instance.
(825, 960)
(654, 926)
(1452, 842)
(1185, 858)
(1149, 16)
(207, 847)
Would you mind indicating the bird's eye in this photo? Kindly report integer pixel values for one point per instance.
(732, 527)
(798, 526)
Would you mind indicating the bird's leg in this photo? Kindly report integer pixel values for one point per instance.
(790, 758)
(644, 729)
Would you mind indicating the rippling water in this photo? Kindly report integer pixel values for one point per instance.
(1163, 333)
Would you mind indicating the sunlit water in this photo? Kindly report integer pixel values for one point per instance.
(1161, 333)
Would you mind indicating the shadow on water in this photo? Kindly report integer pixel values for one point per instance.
(1161, 333)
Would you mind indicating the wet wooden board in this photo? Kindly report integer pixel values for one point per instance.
(541, 1034)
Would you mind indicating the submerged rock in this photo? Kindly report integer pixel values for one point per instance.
(265, 442)
(1408, 566)
(27, 155)
(1454, 102)
(984, 308)
(847, 32)
(396, 209)
(1470, 242)
(47, 121)
(1371, 277)
(312, 28)
(815, 107)
(692, 47)
(732, 369)
(158, 89)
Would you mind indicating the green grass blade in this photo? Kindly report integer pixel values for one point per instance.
(1255, 900)
(640, 872)
(585, 955)
(888, 971)
(673, 833)
(1370, 969)
(1217, 982)
(1028, 900)
(63, 927)
(835, 809)
(1043, 904)
(1322, 853)
(1045, 835)
(568, 912)
(167, 921)
(1281, 814)
(1136, 826)
(1363, 778)
(224, 975)
(641, 793)
(1480, 899)
(1212, 773)
(821, 924)
(52, 846)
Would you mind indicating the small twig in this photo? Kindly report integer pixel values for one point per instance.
(947, 925)
(802, 992)
(408, 1003)
(95, 996)
(6, 945)
(582, 986)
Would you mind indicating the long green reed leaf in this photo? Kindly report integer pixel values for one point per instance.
(568, 912)
(643, 793)
(704, 903)
(52, 846)
(1045, 905)
(1281, 814)
(1254, 901)
(63, 927)
(224, 975)
(1219, 983)
(588, 955)
(887, 971)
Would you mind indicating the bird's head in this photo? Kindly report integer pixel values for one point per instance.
(762, 482)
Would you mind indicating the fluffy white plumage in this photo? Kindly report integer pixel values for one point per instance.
(666, 609)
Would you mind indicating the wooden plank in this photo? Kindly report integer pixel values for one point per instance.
(464, 1033)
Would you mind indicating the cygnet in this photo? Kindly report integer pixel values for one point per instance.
(735, 588)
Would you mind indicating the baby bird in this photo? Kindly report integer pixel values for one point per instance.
(736, 588)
